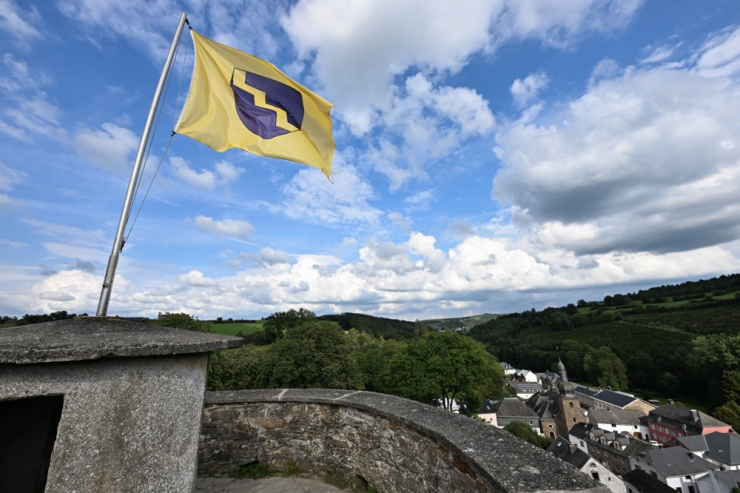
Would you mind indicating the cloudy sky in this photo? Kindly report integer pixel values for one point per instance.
(493, 156)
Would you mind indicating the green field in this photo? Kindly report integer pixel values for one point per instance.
(233, 328)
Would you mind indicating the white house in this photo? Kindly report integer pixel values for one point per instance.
(571, 454)
(620, 421)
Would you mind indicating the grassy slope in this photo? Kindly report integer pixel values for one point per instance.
(231, 329)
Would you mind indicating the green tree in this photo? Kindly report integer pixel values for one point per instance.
(605, 368)
(182, 321)
(235, 369)
(312, 354)
(445, 366)
(522, 430)
(276, 324)
(420, 329)
(729, 412)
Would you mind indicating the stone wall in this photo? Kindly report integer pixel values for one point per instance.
(392, 443)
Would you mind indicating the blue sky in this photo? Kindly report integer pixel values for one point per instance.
(493, 156)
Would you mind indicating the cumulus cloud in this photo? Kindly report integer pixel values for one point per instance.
(267, 256)
(430, 122)
(525, 90)
(224, 227)
(432, 36)
(110, 147)
(648, 161)
(223, 175)
(309, 196)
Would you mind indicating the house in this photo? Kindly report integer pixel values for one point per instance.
(723, 450)
(609, 399)
(620, 421)
(578, 434)
(612, 450)
(719, 482)
(559, 409)
(675, 466)
(571, 454)
(508, 369)
(525, 390)
(487, 412)
(512, 409)
(526, 376)
(670, 421)
(638, 481)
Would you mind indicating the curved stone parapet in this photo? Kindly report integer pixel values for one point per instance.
(394, 444)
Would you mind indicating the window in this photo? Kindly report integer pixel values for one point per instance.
(653, 474)
(552, 435)
(678, 489)
(571, 404)
(549, 426)
(574, 420)
(691, 489)
(629, 490)
(687, 477)
(595, 475)
(583, 444)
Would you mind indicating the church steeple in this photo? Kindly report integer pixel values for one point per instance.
(561, 369)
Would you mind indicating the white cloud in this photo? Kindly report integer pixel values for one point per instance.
(309, 196)
(7, 203)
(720, 55)
(431, 122)
(648, 161)
(267, 256)
(224, 227)
(23, 25)
(525, 91)
(30, 114)
(110, 147)
(10, 177)
(224, 174)
(561, 23)
(150, 24)
(658, 54)
(359, 46)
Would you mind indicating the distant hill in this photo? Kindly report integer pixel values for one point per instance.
(387, 328)
(460, 322)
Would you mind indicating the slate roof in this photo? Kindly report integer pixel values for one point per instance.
(506, 366)
(585, 391)
(723, 447)
(545, 404)
(574, 456)
(614, 398)
(526, 387)
(684, 415)
(729, 479)
(695, 443)
(626, 417)
(645, 483)
(676, 461)
(488, 407)
(580, 430)
(515, 408)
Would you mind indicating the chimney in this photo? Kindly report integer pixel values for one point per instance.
(694, 415)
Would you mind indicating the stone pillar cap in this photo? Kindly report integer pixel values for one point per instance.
(90, 338)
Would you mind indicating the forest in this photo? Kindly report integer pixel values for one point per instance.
(677, 341)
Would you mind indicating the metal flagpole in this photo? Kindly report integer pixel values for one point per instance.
(110, 272)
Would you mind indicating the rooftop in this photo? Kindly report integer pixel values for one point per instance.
(723, 447)
(627, 417)
(686, 416)
(645, 483)
(617, 399)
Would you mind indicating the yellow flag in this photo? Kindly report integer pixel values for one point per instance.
(237, 100)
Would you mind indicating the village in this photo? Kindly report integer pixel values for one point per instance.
(628, 444)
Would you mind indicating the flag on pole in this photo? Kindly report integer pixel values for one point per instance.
(238, 100)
